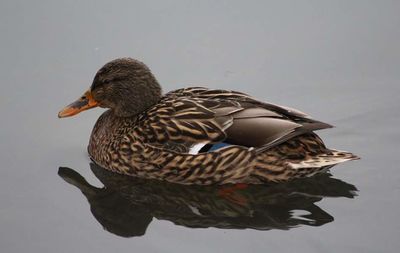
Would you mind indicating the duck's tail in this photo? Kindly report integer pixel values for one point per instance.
(303, 156)
(330, 158)
(271, 169)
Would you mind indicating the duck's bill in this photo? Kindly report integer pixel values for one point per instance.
(83, 103)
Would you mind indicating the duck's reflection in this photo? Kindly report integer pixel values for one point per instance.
(125, 206)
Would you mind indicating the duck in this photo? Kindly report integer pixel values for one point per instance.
(196, 135)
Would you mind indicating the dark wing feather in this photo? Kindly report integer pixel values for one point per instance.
(199, 115)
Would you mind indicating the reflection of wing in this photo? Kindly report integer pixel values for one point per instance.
(200, 116)
(126, 205)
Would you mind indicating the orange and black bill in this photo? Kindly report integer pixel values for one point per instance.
(83, 103)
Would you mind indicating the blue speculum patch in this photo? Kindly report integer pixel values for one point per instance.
(213, 147)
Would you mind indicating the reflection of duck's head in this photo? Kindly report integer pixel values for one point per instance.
(110, 209)
(126, 205)
(125, 85)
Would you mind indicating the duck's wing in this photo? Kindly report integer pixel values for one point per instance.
(184, 124)
(198, 116)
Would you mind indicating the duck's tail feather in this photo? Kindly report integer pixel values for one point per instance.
(274, 169)
(330, 158)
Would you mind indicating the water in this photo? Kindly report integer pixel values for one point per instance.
(338, 61)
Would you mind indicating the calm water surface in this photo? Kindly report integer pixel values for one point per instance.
(339, 61)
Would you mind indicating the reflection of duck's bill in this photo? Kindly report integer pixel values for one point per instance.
(322, 160)
(83, 103)
(74, 178)
(69, 175)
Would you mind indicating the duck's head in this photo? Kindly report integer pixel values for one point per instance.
(125, 85)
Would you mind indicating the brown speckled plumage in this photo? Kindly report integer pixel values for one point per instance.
(169, 137)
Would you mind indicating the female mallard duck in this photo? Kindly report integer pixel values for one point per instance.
(196, 135)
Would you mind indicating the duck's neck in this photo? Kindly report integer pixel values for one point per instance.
(108, 131)
(139, 98)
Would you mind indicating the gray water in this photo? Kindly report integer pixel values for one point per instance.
(336, 60)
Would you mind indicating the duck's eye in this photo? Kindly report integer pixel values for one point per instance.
(100, 92)
(106, 81)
